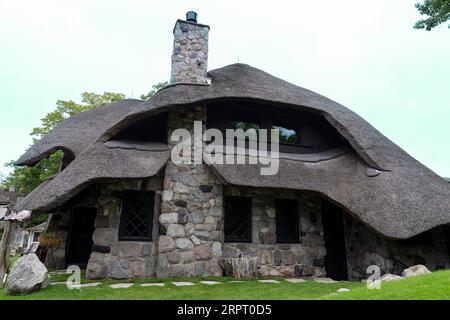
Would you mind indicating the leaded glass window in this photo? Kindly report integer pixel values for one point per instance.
(136, 220)
(238, 219)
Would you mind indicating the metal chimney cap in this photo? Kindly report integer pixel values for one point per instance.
(191, 16)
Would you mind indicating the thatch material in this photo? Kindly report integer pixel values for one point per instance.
(98, 163)
(76, 133)
(405, 199)
(397, 204)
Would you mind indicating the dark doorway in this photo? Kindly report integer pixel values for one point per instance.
(80, 242)
(447, 239)
(333, 228)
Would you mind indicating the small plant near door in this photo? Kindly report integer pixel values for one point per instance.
(46, 241)
(49, 240)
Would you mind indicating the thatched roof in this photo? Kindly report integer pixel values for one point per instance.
(98, 163)
(405, 199)
(76, 133)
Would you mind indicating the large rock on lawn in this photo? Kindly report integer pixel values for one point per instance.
(390, 277)
(415, 271)
(28, 274)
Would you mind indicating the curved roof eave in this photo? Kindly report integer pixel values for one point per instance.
(395, 204)
(98, 163)
(75, 134)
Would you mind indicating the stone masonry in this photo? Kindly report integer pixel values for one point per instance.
(305, 258)
(191, 220)
(122, 259)
(365, 248)
(190, 53)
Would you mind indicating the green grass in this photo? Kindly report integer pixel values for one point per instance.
(433, 286)
(12, 260)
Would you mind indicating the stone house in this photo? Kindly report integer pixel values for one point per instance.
(344, 197)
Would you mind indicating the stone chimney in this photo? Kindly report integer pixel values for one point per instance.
(190, 51)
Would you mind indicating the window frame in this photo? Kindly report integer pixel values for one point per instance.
(248, 220)
(314, 133)
(125, 195)
(297, 225)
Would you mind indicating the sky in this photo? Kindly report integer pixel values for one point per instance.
(362, 54)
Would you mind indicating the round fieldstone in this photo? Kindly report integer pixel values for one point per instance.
(202, 253)
(168, 218)
(217, 249)
(198, 217)
(175, 230)
(174, 257)
(166, 244)
(184, 244)
(183, 215)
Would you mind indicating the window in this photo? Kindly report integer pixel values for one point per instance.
(300, 131)
(238, 219)
(136, 220)
(36, 236)
(153, 129)
(287, 221)
(287, 136)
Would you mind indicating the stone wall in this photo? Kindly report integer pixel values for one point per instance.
(191, 231)
(190, 53)
(122, 259)
(305, 258)
(365, 248)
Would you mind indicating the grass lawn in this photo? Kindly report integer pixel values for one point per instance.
(432, 286)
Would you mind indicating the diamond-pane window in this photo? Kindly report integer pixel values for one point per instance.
(136, 220)
(287, 221)
(238, 219)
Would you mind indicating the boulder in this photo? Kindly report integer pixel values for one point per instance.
(27, 275)
(416, 270)
(390, 277)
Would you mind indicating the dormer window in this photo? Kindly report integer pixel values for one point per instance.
(299, 131)
(287, 136)
(151, 129)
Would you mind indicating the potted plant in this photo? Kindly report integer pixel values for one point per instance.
(49, 240)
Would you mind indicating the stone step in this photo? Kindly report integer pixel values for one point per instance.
(210, 283)
(121, 285)
(268, 281)
(295, 280)
(182, 284)
(156, 284)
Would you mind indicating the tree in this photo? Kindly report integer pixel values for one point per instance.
(438, 12)
(25, 179)
(155, 88)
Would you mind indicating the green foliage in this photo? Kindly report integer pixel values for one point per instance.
(155, 89)
(65, 109)
(25, 179)
(438, 12)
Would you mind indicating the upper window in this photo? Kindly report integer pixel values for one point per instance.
(152, 129)
(287, 221)
(238, 219)
(287, 135)
(298, 131)
(136, 220)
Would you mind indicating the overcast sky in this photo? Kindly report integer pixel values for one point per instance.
(363, 54)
